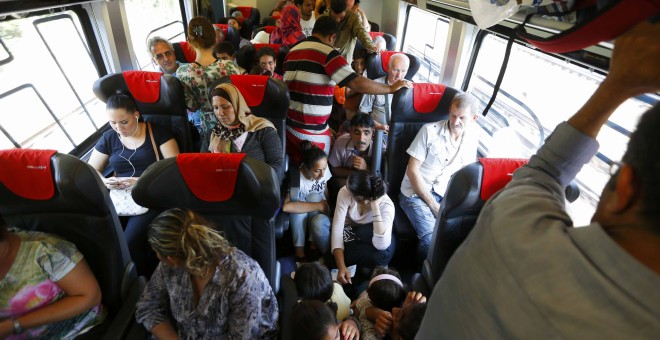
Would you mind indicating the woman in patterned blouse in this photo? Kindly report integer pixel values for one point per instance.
(209, 289)
(196, 77)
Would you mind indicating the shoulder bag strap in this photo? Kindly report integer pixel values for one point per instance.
(153, 143)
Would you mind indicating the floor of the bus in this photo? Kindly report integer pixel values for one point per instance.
(401, 262)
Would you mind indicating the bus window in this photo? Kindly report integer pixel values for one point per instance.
(429, 47)
(147, 19)
(46, 98)
(538, 92)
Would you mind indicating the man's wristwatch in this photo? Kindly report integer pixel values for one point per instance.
(17, 327)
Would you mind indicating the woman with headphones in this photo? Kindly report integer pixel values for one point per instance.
(130, 147)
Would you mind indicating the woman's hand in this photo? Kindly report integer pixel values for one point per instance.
(323, 207)
(119, 182)
(344, 275)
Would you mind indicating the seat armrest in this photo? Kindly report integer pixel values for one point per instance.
(418, 284)
(294, 183)
(125, 318)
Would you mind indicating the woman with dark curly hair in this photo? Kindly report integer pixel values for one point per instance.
(206, 287)
(362, 226)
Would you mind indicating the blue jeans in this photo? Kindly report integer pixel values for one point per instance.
(314, 220)
(421, 218)
(135, 232)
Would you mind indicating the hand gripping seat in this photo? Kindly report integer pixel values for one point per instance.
(239, 195)
(42, 190)
(378, 64)
(159, 99)
(467, 192)
(246, 54)
(390, 40)
(411, 109)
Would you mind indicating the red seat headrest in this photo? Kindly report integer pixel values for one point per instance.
(188, 51)
(426, 97)
(27, 173)
(143, 85)
(224, 28)
(252, 87)
(497, 173)
(275, 47)
(373, 35)
(385, 59)
(246, 11)
(210, 176)
(270, 29)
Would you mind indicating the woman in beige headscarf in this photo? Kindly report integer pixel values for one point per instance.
(240, 131)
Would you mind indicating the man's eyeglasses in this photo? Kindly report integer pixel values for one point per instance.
(167, 54)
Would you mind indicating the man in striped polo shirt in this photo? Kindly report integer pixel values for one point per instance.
(311, 70)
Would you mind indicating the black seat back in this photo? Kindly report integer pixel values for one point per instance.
(468, 190)
(245, 56)
(411, 109)
(159, 99)
(378, 64)
(41, 190)
(242, 207)
(267, 98)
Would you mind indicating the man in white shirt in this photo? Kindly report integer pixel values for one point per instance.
(375, 103)
(307, 15)
(437, 152)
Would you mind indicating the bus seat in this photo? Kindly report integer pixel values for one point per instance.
(42, 190)
(409, 113)
(377, 65)
(287, 298)
(246, 54)
(231, 35)
(267, 98)
(267, 29)
(468, 190)
(159, 99)
(239, 195)
(184, 52)
(390, 40)
(250, 13)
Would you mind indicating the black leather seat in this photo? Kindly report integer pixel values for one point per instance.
(467, 192)
(251, 16)
(231, 35)
(411, 109)
(390, 40)
(42, 190)
(242, 207)
(267, 98)
(245, 56)
(159, 99)
(377, 64)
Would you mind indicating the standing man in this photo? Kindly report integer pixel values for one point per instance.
(307, 15)
(525, 271)
(312, 69)
(375, 104)
(438, 150)
(162, 54)
(350, 30)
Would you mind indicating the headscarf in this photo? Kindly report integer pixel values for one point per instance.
(290, 31)
(222, 136)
